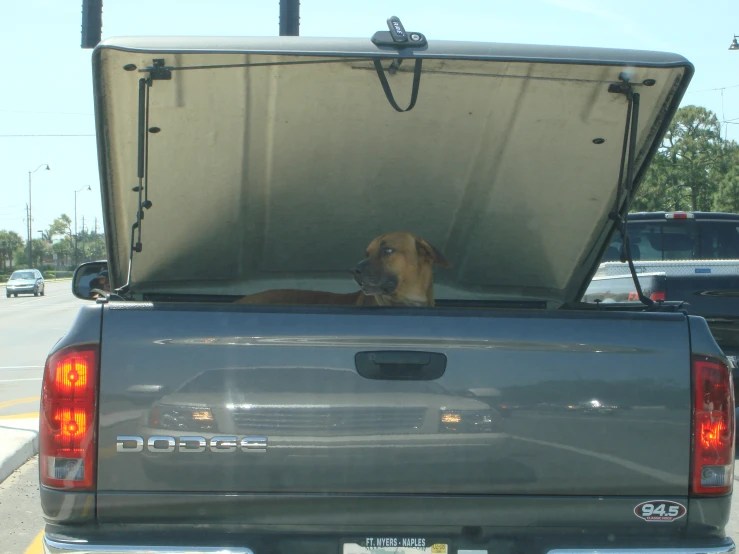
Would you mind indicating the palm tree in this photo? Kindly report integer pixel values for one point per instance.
(10, 241)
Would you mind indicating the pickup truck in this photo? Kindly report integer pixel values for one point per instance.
(506, 417)
(691, 257)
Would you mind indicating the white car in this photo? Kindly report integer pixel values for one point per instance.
(25, 281)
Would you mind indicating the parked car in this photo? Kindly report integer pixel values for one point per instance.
(25, 281)
(345, 428)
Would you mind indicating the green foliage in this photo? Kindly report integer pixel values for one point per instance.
(10, 243)
(694, 170)
(61, 226)
(54, 252)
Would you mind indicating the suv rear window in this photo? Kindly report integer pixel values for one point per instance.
(679, 240)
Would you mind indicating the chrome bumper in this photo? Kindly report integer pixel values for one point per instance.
(725, 549)
(52, 546)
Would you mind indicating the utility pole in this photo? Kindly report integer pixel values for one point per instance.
(86, 187)
(83, 233)
(96, 225)
(28, 229)
(289, 17)
(92, 22)
(30, 213)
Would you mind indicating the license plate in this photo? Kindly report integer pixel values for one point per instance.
(395, 545)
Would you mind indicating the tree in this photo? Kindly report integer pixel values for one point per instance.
(682, 174)
(96, 248)
(62, 225)
(39, 252)
(10, 241)
(726, 197)
(63, 249)
(91, 246)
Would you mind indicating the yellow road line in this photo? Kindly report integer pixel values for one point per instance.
(15, 402)
(37, 546)
(29, 415)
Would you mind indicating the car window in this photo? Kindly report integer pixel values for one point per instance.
(22, 275)
(681, 240)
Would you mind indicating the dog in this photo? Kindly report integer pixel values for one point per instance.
(398, 271)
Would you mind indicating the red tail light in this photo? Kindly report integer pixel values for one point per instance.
(67, 426)
(658, 295)
(713, 428)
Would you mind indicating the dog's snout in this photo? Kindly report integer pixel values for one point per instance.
(360, 267)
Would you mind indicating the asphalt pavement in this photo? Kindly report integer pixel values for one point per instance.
(29, 327)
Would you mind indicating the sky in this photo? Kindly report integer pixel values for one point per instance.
(47, 90)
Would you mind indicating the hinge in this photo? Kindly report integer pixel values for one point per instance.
(623, 87)
(158, 71)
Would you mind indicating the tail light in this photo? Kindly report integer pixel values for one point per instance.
(658, 295)
(67, 426)
(713, 428)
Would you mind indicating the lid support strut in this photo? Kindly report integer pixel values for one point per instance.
(158, 71)
(620, 213)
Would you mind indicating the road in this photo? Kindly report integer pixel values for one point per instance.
(29, 327)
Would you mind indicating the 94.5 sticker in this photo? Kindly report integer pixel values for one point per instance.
(660, 510)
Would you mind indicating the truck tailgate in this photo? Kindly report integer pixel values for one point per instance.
(529, 403)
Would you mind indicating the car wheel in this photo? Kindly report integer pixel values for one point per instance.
(7, 295)
(15, 295)
(35, 293)
(43, 290)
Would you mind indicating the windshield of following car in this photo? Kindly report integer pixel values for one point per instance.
(18, 275)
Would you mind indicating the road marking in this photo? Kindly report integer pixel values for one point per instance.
(37, 546)
(34, 300)
(20, 367)
(14, 380)
(29, 415)
(20, 302)
(9, 403)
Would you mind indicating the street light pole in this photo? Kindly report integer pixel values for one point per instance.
(86, 187)
(30, 220)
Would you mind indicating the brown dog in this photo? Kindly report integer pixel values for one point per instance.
(396, 272)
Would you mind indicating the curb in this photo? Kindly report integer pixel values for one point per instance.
(18, 446)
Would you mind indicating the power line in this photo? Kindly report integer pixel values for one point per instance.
(49, 113)
(711, 89)
(16, 136)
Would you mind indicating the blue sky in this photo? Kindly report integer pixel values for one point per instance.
(47, 85)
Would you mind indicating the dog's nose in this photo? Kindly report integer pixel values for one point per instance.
(357, 269)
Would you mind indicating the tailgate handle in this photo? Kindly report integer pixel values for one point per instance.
(400, 365)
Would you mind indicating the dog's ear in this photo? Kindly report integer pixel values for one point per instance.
(431, 253)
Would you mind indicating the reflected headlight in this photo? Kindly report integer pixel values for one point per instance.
(182, 418)
(466, 421)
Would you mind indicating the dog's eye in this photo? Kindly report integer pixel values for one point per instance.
(387, 251)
